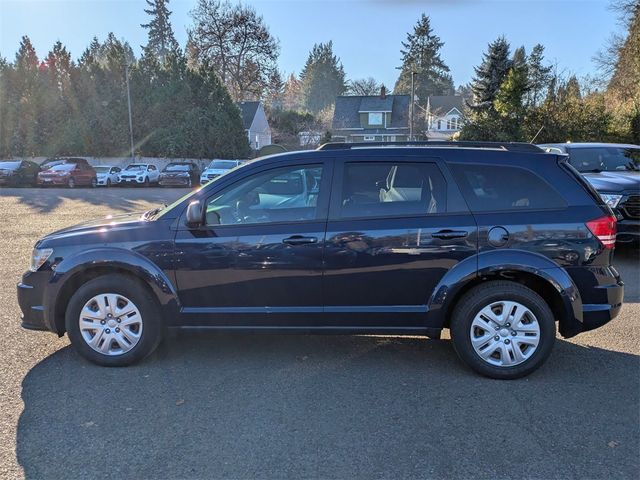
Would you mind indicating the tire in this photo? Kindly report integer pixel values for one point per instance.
(139, 333)
(190, 184)
(94, 182)
(514, 355)
(146, 182)
(71, 183)
(108, 182)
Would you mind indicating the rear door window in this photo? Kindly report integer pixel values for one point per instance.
(383, 189)
(499, 187)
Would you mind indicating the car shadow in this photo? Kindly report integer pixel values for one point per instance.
(125, 199)
(212, 405)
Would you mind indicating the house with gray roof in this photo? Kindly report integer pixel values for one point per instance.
(256, 124)
(379, 118)
(444, 116)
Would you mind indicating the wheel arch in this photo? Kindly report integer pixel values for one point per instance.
(535, 271)
(73, 272)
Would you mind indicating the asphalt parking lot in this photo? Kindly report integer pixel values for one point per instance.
(274, 406)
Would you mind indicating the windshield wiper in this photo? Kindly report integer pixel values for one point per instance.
(149, 214)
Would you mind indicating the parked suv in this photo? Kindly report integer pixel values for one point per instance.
(614, 171)
(496, 242)
(139, 174)
(216, 168)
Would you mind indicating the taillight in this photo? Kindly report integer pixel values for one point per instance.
(604, 228)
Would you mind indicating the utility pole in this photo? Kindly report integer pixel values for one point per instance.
(126, 72)
(413, 74)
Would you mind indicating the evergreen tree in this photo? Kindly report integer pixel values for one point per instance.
(274, 93)
(421, 54)
(161, 39)
(490, 74)
(322, 78)
(539, 75)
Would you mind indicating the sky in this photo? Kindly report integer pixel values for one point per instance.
(366, 34)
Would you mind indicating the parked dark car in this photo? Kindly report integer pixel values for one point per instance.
(179, 174)
(496, 242)
(15, 173)
(614, 171)
(68, 174)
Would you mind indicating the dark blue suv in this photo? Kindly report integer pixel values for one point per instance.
(496, 242)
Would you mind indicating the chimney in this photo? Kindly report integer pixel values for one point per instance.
(383, 92)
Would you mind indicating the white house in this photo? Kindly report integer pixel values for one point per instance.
(444, 116)
(256, 124)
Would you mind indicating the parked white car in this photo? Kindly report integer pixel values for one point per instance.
(107, 175)
(140, 174)
(216, 168)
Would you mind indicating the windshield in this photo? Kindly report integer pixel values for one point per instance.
(136, 167)
(222, 164)
(605, 159)
(102, 169)
(9, 165)
(176, 167)
(63, 167)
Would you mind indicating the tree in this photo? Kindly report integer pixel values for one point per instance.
(490, 74)
(235, 41)
(292, 96)
(274, 92)
(322, 78)
(421, 54)
(364, 87)
(539, 75)
(161, 39)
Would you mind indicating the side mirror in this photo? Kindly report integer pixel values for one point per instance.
(194, 214)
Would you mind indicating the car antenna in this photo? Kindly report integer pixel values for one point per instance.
(536, 135)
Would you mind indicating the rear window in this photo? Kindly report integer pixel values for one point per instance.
(492, 187)
(603, 159)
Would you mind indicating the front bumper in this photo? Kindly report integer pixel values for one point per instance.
(174, 181)
(129, 181)
(53, 181)
(31, 300)
(628, 231)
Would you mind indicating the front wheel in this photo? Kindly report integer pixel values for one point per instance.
(503, 330)
(113, 322)
(71, 183)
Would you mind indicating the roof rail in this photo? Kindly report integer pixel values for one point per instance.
(508, 146)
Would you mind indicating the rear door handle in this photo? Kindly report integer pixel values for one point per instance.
(449, 234)
(299, 240)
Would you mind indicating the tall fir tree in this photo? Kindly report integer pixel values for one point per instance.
(161, 40)
(539, 75)
(421, 54)
(490, 74)
(322, 78)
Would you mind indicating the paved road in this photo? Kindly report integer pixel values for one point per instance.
(272, 406)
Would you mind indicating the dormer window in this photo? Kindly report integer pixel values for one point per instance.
(375, 118)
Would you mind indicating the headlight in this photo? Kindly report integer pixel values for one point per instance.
(611, 199)
(40, 255)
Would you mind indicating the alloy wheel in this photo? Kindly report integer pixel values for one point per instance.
(110, 324)
(505, 333)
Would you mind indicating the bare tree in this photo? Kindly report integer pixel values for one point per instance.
(364, 86)
(236, 42)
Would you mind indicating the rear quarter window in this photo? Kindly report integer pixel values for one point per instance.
(497, 187)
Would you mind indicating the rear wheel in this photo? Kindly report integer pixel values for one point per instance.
(112, 321)
(503, 329)
(94, 182)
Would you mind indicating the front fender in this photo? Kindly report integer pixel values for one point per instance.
(502, 264)
(106, 258)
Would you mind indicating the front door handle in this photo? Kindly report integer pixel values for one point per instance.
(299, 240)
(449, 234)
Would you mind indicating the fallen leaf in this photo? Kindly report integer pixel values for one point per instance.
(180, 402)
(89, 424)
(613, 443)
